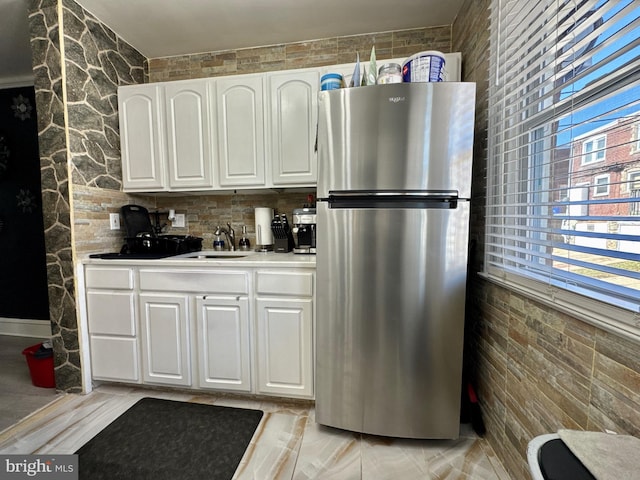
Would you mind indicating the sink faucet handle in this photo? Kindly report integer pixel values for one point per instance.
(232, 237)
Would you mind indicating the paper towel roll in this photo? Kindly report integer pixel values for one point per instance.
(264, 236)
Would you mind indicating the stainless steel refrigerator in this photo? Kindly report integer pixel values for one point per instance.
(394, 184)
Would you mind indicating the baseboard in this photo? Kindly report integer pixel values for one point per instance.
(25, 328)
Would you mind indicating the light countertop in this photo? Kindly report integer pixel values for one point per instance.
(213, 258)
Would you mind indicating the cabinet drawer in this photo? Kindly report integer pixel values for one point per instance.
(111, 313)
(115, 359)
(298, 284)
(109, 277)
(206, 281)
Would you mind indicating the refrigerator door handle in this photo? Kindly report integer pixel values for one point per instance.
(395, 193)
(392, 201)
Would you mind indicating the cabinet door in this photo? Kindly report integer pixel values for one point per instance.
(293, 110)
(141, 137)
(189, 149)
(165, 339)
(114, 358)
(285, 346)
(111, 312)
(239, 101)
(223, 343)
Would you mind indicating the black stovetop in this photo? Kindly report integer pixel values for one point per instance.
(132, 256)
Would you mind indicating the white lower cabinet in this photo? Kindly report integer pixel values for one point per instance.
(165, 339)
(285, 346)
(112, 324)
(238, 329)
(223, 343)
(284, 327)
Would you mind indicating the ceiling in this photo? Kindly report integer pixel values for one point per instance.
(15, 53)
(161, 28)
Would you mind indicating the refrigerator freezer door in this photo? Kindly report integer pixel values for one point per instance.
(405, 136)
(390, 315)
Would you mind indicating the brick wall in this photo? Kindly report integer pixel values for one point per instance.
(621, 157)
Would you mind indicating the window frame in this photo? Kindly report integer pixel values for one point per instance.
(596, 185)
(501, 265)
(595, 153)
(633, 179)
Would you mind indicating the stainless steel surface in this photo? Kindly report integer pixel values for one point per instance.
(393, 214)
(304, 230)
(390, 306)
(407, 136)
(229, 234)
(239, 255)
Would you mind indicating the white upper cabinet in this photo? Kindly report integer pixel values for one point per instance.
(239, 107)
(249, 131)
(293, 118)
(141, 136)
(189, 150)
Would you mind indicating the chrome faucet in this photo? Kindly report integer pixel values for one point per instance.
(229, 233)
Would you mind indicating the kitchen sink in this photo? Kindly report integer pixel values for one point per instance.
(219, 255)
(215, 255)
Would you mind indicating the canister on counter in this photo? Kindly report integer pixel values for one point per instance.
(331, 81)
(424, 67)
(389, 73)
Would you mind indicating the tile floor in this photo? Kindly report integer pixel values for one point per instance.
(288, 444)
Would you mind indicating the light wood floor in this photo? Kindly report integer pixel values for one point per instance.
(288, 444)
(18, 397)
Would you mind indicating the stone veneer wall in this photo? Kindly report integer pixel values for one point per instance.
(96, 62)
(313, 53)
(538, 369)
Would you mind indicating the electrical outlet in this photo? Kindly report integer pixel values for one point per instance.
(179, 221)
(114, 221)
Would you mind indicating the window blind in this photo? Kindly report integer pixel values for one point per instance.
(563, 174)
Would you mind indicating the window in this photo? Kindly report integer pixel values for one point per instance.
(634, 193)
(636, 137)
(564, 92)
(601, 183)
(593, 150)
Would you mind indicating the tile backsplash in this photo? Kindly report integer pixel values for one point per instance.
(206, 212)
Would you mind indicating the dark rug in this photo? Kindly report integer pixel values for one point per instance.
(165, 439)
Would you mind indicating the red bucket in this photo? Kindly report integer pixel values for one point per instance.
(40, 366)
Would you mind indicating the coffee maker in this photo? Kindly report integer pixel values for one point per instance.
(304, 230)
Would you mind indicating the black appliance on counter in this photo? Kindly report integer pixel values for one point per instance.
(304, 230)
(282, 234)
(144, 241)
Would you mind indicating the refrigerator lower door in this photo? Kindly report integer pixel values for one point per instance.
(390, 319)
